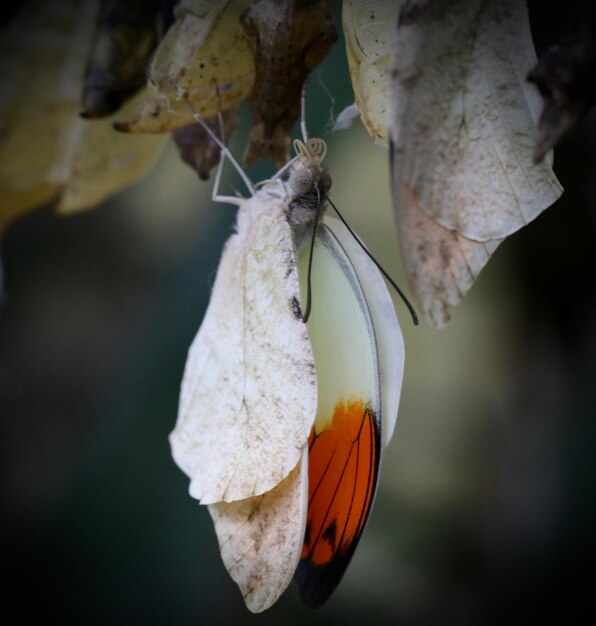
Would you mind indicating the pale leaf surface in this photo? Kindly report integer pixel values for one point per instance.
(463, 117)
(96, 162)
(370, 29)
(441, 264)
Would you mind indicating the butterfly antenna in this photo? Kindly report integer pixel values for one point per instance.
(306, 314)
(372, 258)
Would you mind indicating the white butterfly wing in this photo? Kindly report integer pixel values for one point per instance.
(260, 538)
(359, 355)
(249, 392)
(388, 335)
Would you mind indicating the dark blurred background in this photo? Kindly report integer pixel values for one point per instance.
(485, 511)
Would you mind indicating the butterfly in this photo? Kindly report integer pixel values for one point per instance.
(282, 422)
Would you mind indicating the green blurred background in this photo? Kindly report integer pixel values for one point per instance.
(485, 509)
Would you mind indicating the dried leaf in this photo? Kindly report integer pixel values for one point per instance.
(125, 37)
(370, 31)
(441, 264)
(205, 53)
(289, 38)
(196, 147)
(42, 57)
(464, 111)
(462, 128)
(49, 153)
(97, 162)
(566, 76)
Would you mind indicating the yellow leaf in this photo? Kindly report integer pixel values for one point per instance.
(99, 161)
(42, 57)
(370, 29)
(204, 52)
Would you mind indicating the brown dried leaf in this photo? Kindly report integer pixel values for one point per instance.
(196, 147)
(566, 76)
(289, 38)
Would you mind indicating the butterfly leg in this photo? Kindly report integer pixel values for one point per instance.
(225, 153)
(215, 195)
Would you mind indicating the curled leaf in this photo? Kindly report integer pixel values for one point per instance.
(50, 155)
(204, 54)
(462, 128)
(441, 264)
(288, 38)
(42, 61)
(197, 148)
(370, 31)
(566, 77)
(96, 162)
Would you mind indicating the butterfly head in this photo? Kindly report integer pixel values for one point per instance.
(309, 182)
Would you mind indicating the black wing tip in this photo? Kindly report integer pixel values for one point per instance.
(316, 583)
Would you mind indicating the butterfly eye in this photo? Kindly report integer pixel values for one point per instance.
(324, 181)
(301, 180)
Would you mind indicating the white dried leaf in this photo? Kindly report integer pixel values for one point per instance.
(462, 127)
(463, 121)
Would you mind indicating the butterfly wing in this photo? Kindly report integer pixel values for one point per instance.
(260, 538)
(249, 391)
(359, 355)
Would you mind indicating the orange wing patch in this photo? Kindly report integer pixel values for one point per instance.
(343, 468)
